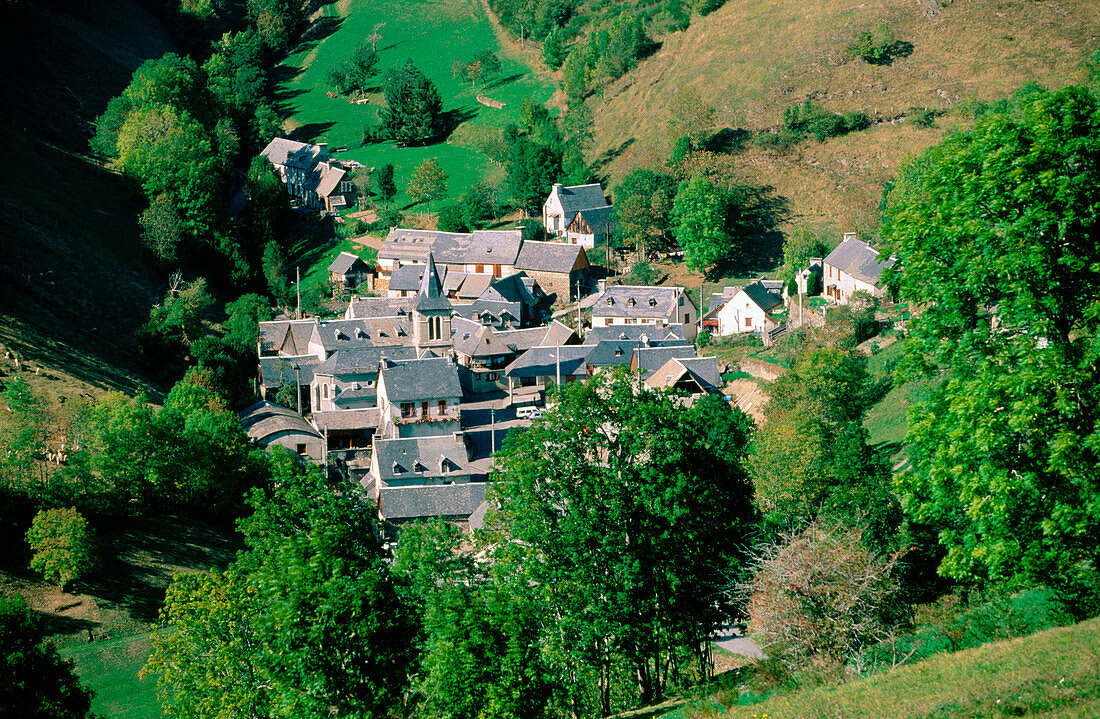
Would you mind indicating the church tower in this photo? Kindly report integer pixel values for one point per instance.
(431, 312)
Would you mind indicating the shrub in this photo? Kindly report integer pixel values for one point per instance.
(877, 46)
(62, 544)
(922, 116)
(643, 272)
(703, 339)
(451, 219)
(820, 595)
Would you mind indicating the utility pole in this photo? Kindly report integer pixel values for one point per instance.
(557, 369)
(298, 388)
(493, 429)
(298, 286)
(578, 307)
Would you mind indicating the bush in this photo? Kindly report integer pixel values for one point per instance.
(451, 219)
(876, 47)
(703, 339)
(922, 116)
(643, 272)
(821, 596)
(62, 544)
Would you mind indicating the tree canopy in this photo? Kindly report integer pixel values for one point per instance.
(620, 514)
(996, 234)
(705, 220)
(414, 111)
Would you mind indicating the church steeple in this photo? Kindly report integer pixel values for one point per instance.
(431, 310)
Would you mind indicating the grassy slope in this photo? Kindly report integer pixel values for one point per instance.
(110, 669)
(753, 60)
(433, 35)
(1050, 673)
(71, 287)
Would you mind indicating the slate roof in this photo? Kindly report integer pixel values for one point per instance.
(273, 335)
(548, 257)
(337, 335)
(609, 353)
(409, 277)
(453, 248)
(400, 459)
(650, 359)
(580, 197)
(638, 301)
(344, 262)
(421, 379)
(362, 360)
(598, 219)
(445, 500)
(367, 307)
(761, 296)
(346, 419)
(278, 371)
(704, 370)
(264, 419)
(291, 153)
(430, 297)
(858, 259)
(476, 340)
(542, 362)
(634, 332)
(329, 175)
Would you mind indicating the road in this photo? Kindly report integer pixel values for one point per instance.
(487, 422)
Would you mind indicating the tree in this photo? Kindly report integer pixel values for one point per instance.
(531, 169)
(414, 112)
(387, 188)
(427, 182)
(798, 247)
(705, 216)
(995, 231)
(478, 206)
(820, 594)
(355, 73)
(162, 229)
(620, 513)
(554, 49)
(62, 544)
(451, 220)
(643, 209)
(38, 683)
(306, 622)
(689, 116)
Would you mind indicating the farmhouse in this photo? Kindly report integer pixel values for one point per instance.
(743, 309)
(559, 212)
(348, 271)
(309, 172)
(269, 424)
(644, 305)
(853, 266)
(590, 228)
(560, 270)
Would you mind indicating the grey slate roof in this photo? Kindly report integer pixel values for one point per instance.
(263, 419)
(476, 340)
(705, 370)
(348, 419)
(650, 359)
(634, 332)
(858, 259)
(362, 360)
(638, 301)
(446, 500)
(430, 297)
(409, 277)
(329, 175)
(762, 297)
(344, 262)
(366, 307)
(273, 335)
(337, 335)
(581, 197)
(543, 361)
(548, 257)
(413, 458)
(598, 219)
(453, 248)
(421, 379)
(291, 153)
(279, 371)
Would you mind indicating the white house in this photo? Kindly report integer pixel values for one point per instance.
(563, 204)
(748, 310)
(853, 266)
(644, 305)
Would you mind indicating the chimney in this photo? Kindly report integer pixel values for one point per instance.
(601, 285)
(849, 236)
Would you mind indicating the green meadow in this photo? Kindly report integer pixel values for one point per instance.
(110, 668)
(434, 35)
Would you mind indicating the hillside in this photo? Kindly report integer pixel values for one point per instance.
(754, 60)
(72, 285)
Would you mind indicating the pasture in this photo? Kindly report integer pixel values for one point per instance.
(434, 35)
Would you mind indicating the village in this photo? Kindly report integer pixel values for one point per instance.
(449, 341)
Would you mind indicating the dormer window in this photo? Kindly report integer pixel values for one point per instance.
(618, 351)
(398, 469)
(418, 467)
(652, 302)
(610, 301)
(630, 302)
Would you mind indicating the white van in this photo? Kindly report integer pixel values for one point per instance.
(528, 411)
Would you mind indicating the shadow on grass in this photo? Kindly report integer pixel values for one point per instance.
(310, 131)
(57, 624)
(761, 212)
(728, 140)
(605, 158)
(321, 28)
(502, 81)
(140, 557)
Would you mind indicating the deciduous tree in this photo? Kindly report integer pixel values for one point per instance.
(428, 182)
(62, 543)
(996, 234)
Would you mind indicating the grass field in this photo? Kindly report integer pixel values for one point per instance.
(1054, 673)
(110, 668)
(753, 60)
(433, 35)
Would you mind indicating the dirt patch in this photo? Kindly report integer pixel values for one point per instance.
(749, 396)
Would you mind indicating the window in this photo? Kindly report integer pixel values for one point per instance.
(407, 409)
(479, 268)
(686, 320)
(435, 328)
(610, 301)
(301, 449)
(325, 386)
(630, 302)
(606, 321)
(424, 409)
(653, 302)
(490, 376)
(497, 271)
(442, 406)
(681, 301)
(748, 321)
